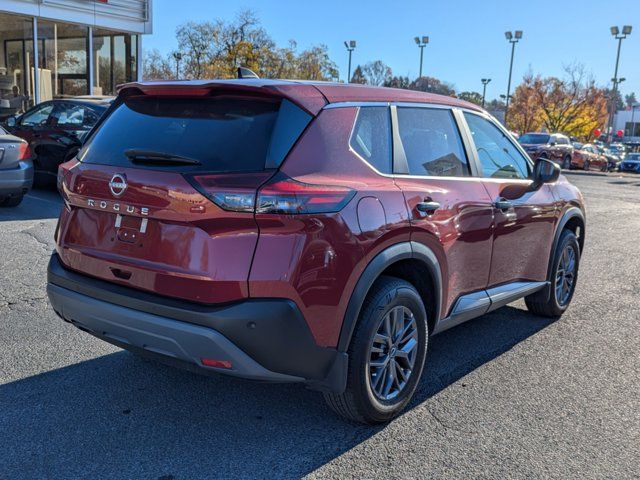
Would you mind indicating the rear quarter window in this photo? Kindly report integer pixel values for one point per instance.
(371, 138)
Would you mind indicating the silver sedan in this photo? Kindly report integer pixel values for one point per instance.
(16, 169)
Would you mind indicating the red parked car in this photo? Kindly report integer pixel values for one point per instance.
(587, 157)
(306, 232)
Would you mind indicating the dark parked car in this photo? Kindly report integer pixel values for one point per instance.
(613, 160)
(55, 131)
(631, 163)
(555, 147)
(588, 157)
(306, 232)
(16, 169)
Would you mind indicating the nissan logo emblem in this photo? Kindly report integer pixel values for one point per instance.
(118, 185)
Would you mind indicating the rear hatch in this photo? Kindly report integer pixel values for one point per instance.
(161, 197)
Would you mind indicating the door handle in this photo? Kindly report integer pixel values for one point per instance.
(428, 206)
(503, 204)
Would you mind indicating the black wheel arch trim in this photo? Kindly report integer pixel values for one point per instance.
(570, 213)
(383, 260)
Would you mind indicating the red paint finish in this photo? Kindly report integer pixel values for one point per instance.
(459, 232)
(191, 248)
(523, 234)
(316, 260)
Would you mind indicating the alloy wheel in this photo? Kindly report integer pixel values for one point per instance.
(565, 275)
(392, 353)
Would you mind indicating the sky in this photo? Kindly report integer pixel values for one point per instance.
(467, 40)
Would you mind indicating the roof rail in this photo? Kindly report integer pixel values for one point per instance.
(244, 72)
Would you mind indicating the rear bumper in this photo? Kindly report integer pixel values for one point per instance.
(15, 181)
(264, 339)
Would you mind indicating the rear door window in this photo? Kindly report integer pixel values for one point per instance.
(224, 134)
(371, 138)
(432, 142)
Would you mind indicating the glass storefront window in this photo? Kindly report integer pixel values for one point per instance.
(116, 60)
(16, 49)
(63, 60)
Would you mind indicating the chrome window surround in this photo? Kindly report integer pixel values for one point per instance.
(463, 128)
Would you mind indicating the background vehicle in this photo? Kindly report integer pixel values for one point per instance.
(631, 163)
(588, 157)
(281, 231)
(613, 161)
(619, 150)
(55, 131)
(555, 147)
(16, 169)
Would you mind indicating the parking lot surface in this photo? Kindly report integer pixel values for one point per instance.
(509, 395)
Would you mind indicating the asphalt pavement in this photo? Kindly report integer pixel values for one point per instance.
(509, 395)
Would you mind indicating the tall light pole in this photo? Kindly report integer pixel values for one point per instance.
(512, 38)
(615, 31)
(484, 81)
(351, 46)
(421, 42)
(178, 57)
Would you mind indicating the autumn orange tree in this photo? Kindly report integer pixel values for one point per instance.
(572, 105)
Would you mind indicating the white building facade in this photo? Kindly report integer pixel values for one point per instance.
(629, 122)
(58, 48)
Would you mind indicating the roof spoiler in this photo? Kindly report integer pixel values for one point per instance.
(244, 72)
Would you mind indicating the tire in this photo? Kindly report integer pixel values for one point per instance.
(558, 299)
(585, 165)
(566, 163)
(363, 400)
(12, 201)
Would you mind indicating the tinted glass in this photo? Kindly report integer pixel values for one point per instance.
(371, 137)
(498, 156)
(37, 116)
(225, 134)
(432, 142)
(535, 138)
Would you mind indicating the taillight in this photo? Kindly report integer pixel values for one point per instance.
(280, 195)
(24, 151)
(283, 195)
(232, 192)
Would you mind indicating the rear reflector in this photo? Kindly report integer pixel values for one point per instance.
(208, 362)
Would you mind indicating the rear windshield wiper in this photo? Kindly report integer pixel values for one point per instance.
(159, 158)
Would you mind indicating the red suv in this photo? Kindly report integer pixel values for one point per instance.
(305, 232)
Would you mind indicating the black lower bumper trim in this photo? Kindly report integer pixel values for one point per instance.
(272, 332)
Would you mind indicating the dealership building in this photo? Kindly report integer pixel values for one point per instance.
(57, 48)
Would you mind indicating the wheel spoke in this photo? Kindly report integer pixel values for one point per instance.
(389, 380)
(379, 363)
(405, 351)
(392, 353)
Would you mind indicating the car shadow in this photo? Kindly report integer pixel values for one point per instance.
(38, 204)
(125, 417)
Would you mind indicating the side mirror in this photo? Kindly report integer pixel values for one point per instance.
(544, 171)
(553, 143)
(11, 122)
